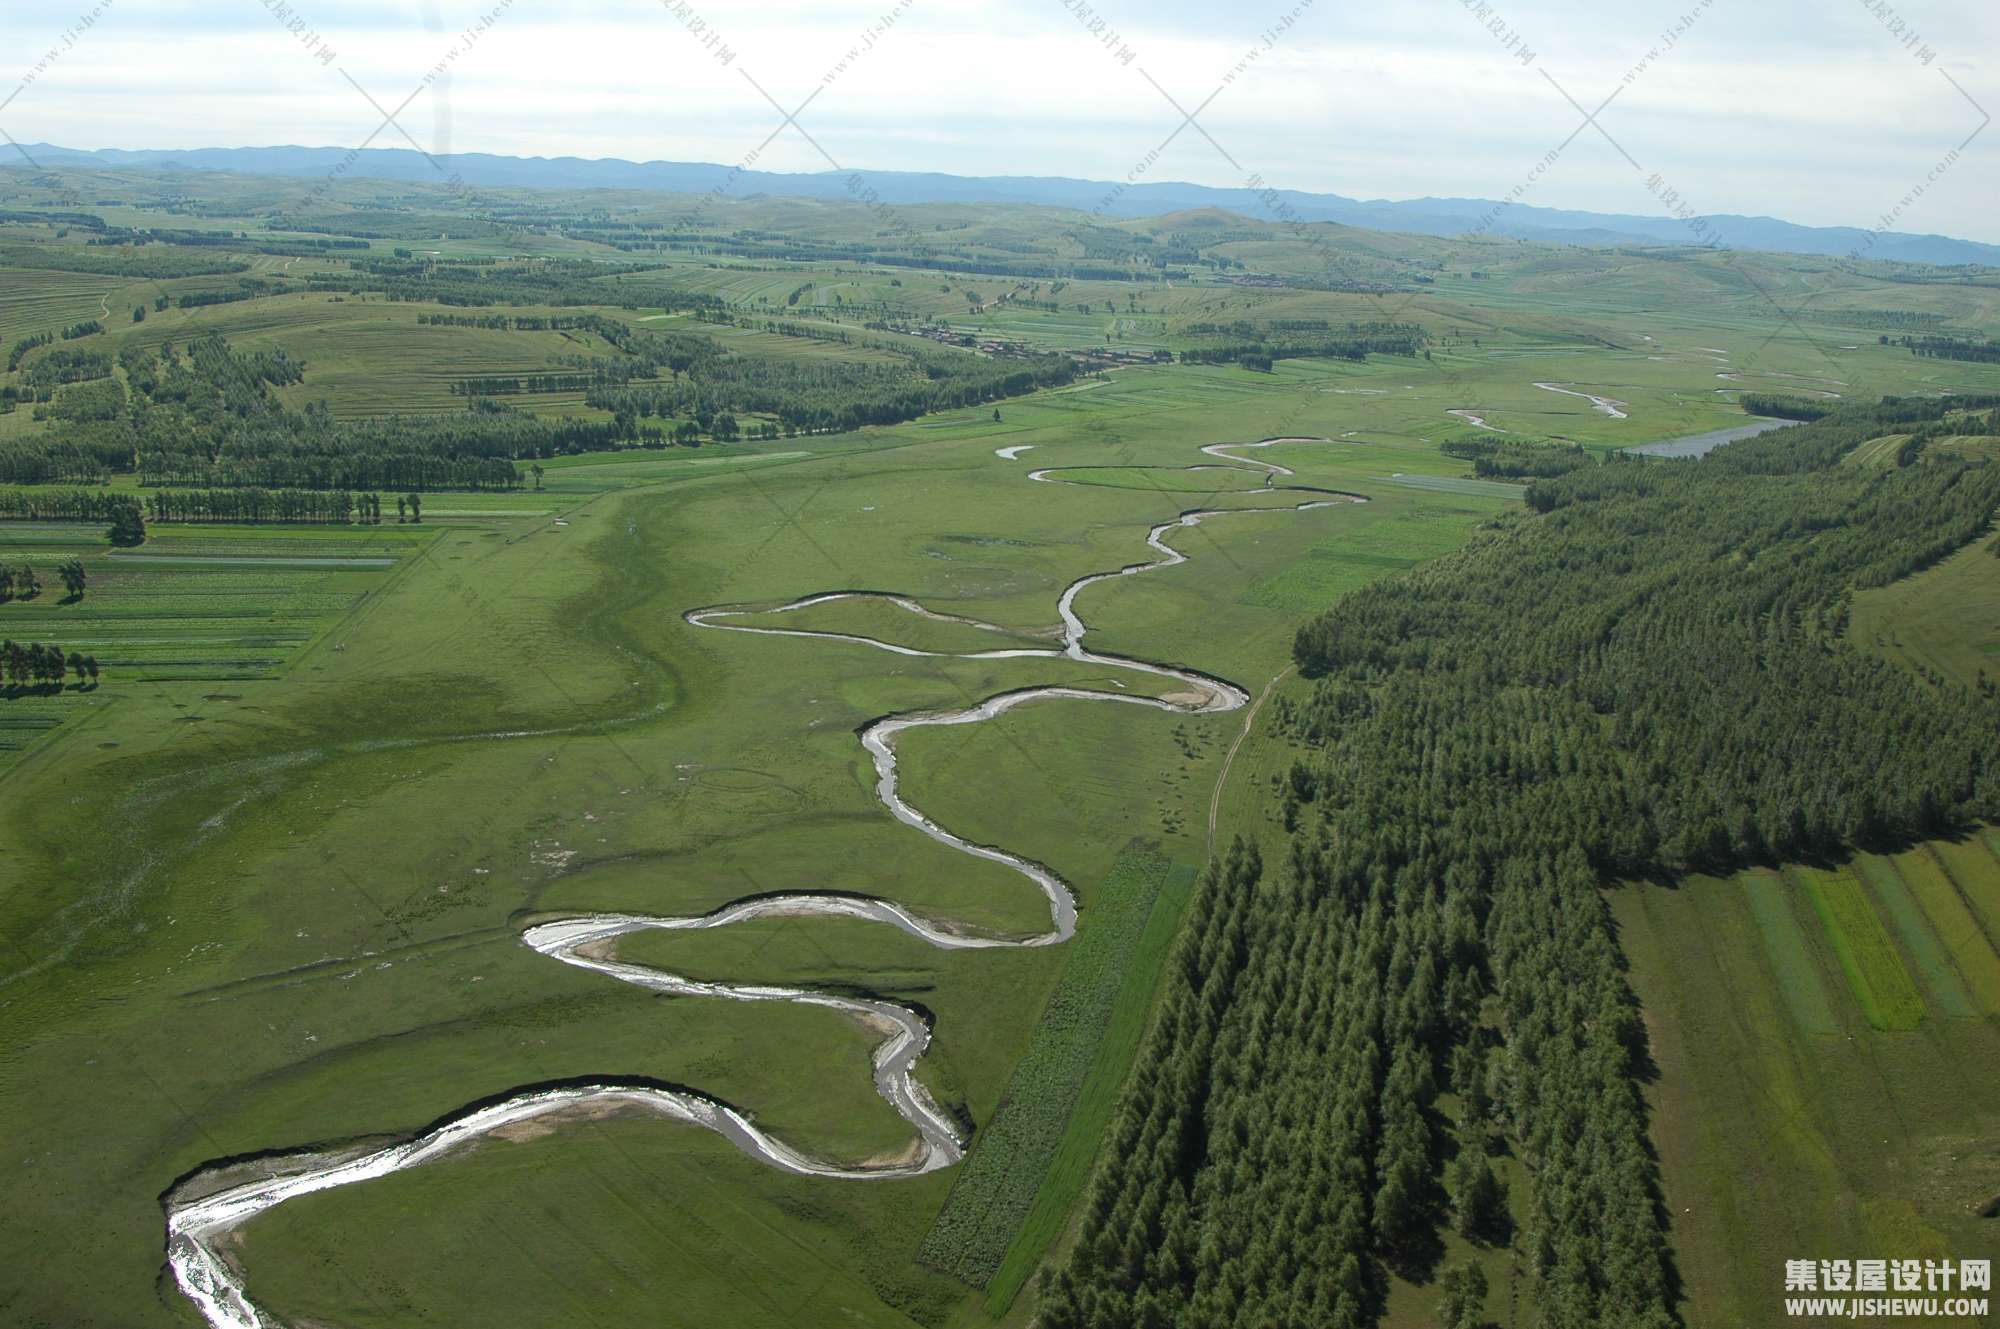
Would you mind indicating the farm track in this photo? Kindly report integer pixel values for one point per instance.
(200, 1222)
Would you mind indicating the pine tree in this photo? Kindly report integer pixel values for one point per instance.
(1478, 1197)
(1463, 1305)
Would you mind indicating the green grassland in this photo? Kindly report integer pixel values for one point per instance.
(365, 973)
(263, 888)
(1946, 619)
(885, 620)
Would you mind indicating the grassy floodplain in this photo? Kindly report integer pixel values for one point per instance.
(366, 977)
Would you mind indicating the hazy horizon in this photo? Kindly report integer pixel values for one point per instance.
(1709, 101)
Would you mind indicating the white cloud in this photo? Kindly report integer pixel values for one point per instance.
(1808, 111)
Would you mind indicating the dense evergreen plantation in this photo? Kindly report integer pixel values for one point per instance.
(1517, 459)
(821, 395)
(1257, 348)
(1643, 675)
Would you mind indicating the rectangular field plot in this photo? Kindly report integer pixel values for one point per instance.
(1446, 484)
(26, 720)
(1867, 956)
(1974, 870)
(1789, 953)
(1970, 947)
(1793, 1111)
(1931, 958)
(222, 604)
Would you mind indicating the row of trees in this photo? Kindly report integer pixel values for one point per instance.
(1647, 676)
(124, 261)
(1358, 343)
(34, 665)
(79, 505)
(23, 583)
(1943, 346)
(538, 282)
(19, 350)
(819, 395)
(272, 506)
(1518, 458)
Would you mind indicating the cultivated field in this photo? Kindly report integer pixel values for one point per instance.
(1823, 1036)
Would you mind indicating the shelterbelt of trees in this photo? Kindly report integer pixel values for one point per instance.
(1517, 458)
(485, 282)
(1644, 674)
(821, 394)
(1296, 339)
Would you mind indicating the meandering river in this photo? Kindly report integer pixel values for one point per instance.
(206, 1209)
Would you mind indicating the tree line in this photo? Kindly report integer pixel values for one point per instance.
(821, 395)
(1517, 458)
(1944, 346)
(538, 282)
(1358, 343)
(37, 666)
(308, 507)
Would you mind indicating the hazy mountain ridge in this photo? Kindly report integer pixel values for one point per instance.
(1421, 216)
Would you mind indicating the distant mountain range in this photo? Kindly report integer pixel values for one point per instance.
(1418, 216)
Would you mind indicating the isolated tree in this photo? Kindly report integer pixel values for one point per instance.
(416, 507)
(6, 584)
(1478, 1198)
(73, 577)
(402, 509)
(138, 313)
(128, 527)
(27, 583)
(77, 667)
(996, 415)
(1463, 1305)
(536, 470)
(90, 667)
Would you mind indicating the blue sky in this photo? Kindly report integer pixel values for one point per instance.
(1822, 112)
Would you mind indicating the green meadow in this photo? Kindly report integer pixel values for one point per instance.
(510, 718)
